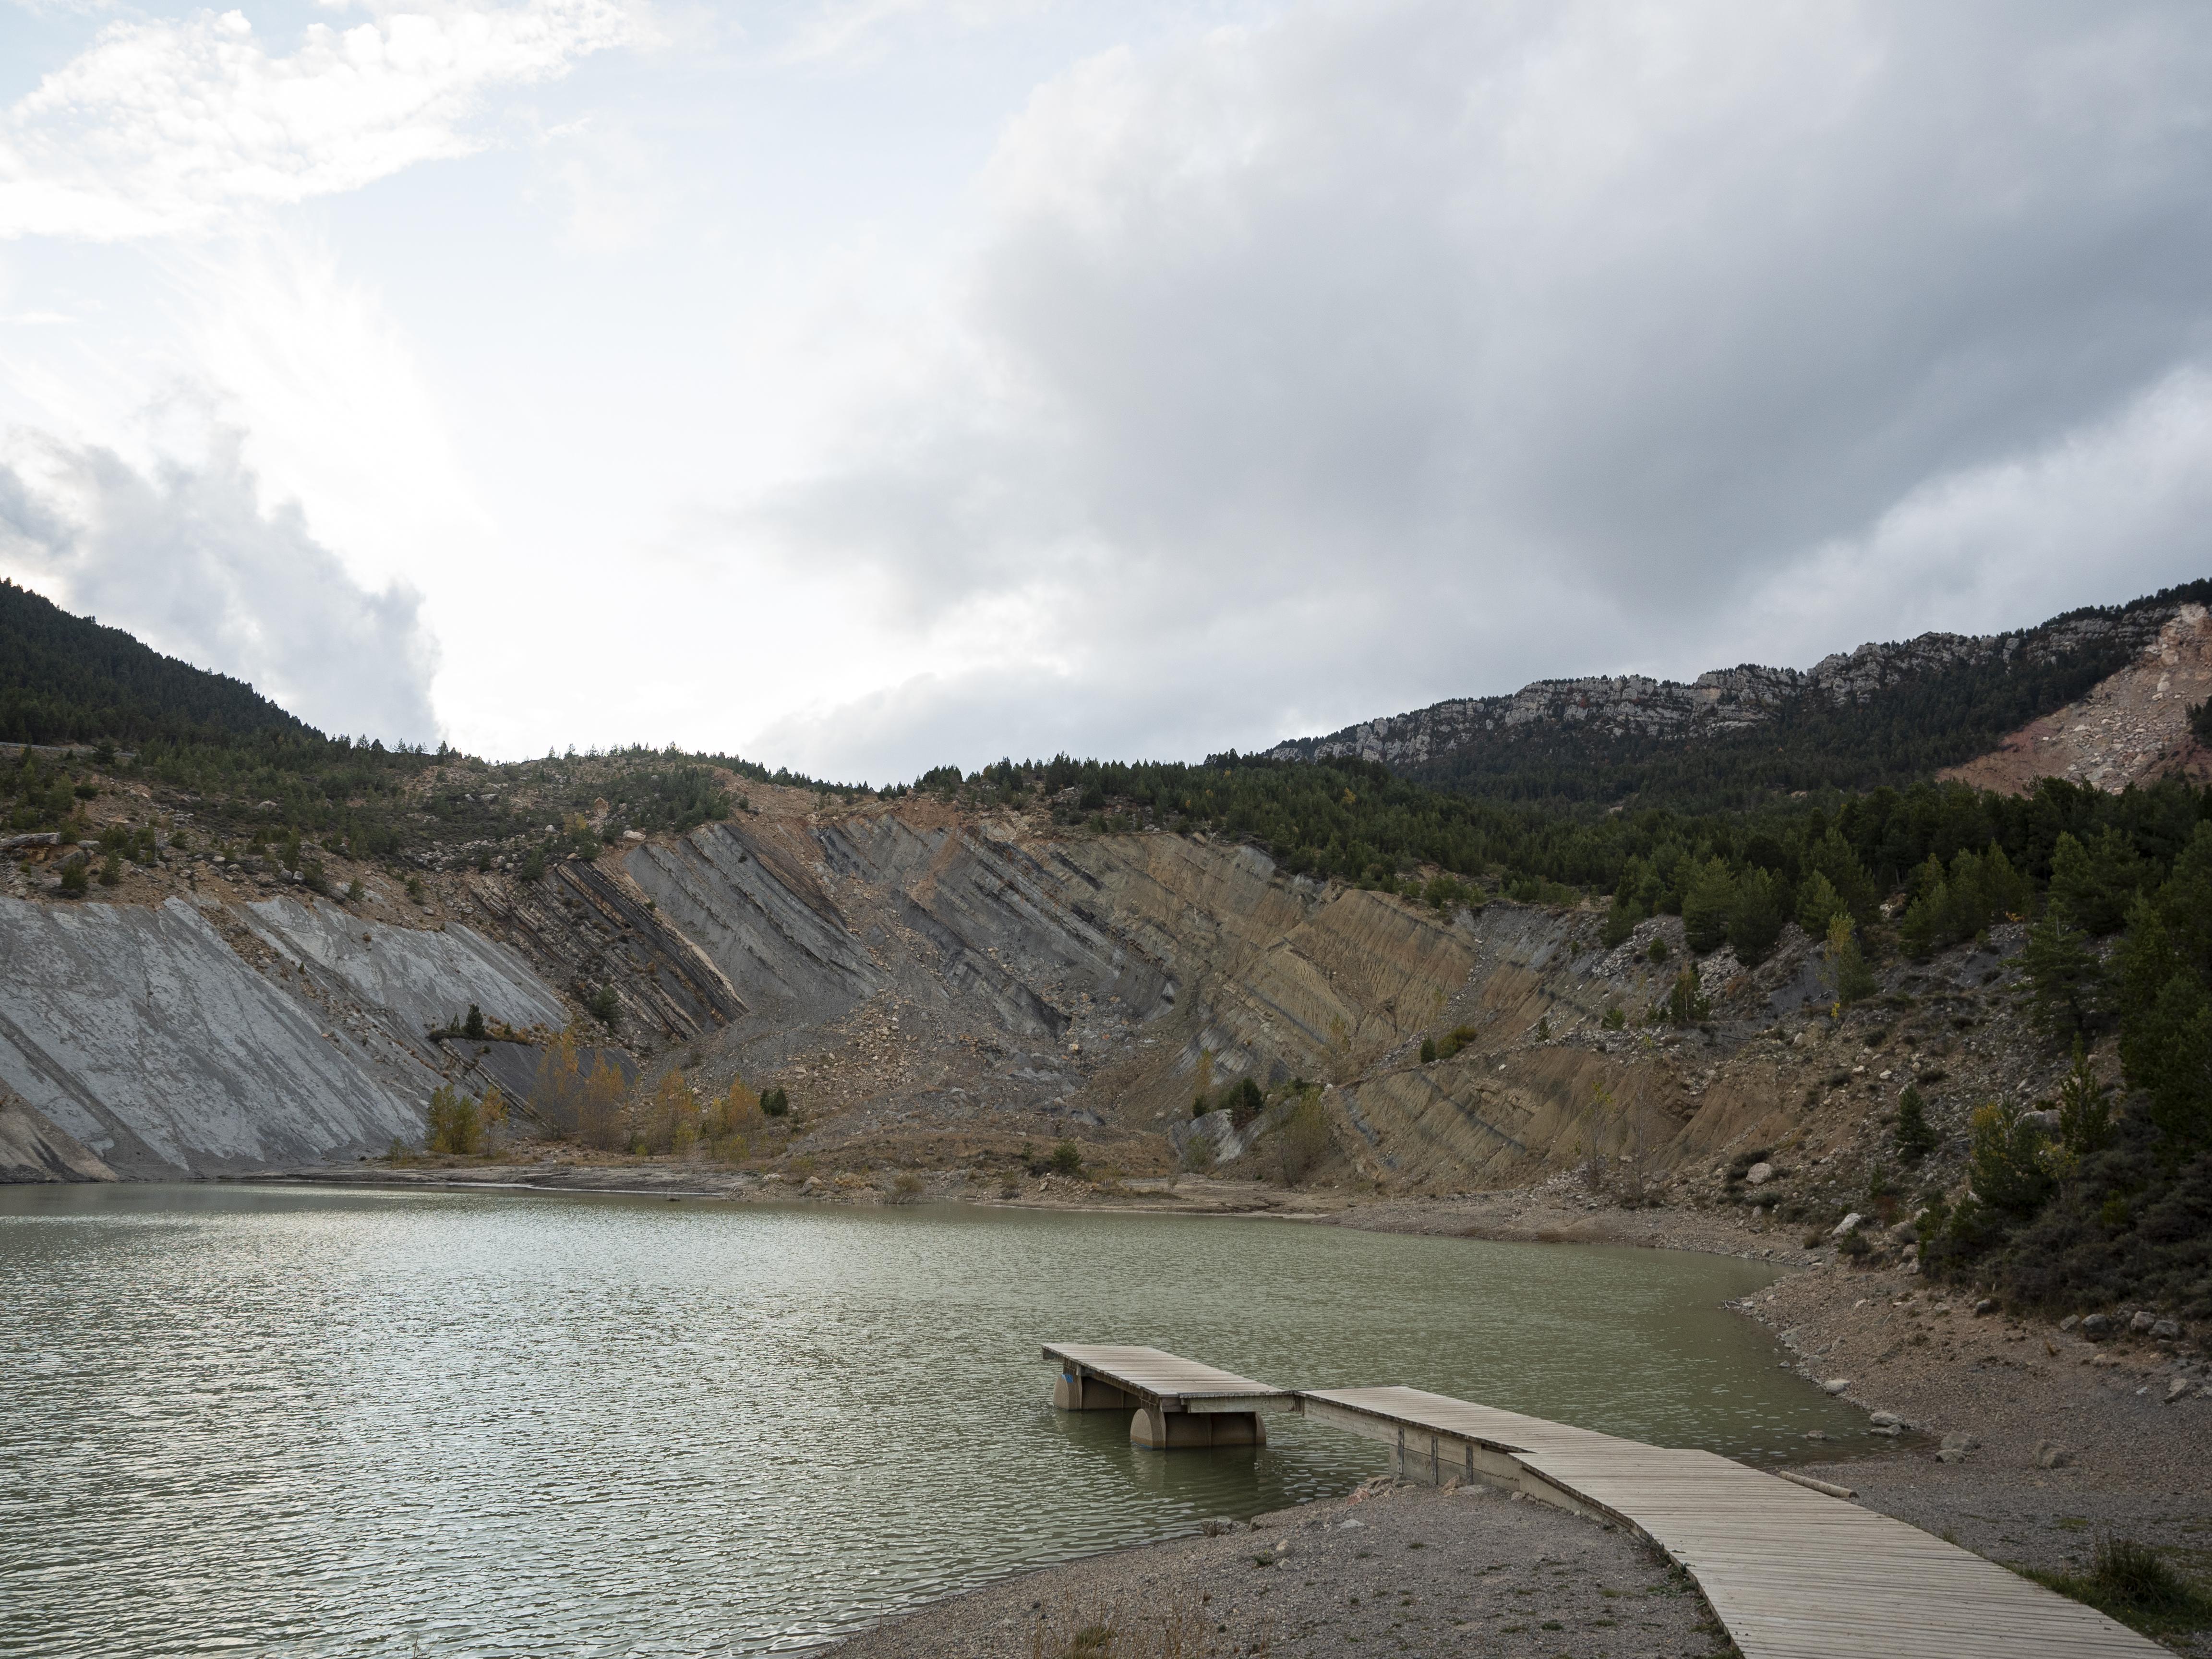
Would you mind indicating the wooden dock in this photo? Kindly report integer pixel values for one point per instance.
(1793, 1574)
(1175, 1403)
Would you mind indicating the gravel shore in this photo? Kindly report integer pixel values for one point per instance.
(1399, 1569)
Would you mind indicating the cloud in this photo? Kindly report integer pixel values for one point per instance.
(1324, 367)
(185, 556)
(170, 126)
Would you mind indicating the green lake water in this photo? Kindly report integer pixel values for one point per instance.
(319, 1421)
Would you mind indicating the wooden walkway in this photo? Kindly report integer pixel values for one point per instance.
(1793, 1574)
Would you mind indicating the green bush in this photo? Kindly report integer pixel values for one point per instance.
(1428, 1050)
(76, 876)
(1067, 1158)
(776, 1104)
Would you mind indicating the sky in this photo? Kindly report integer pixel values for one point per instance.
(863, 385)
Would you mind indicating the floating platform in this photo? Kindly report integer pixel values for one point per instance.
(1175, 1404)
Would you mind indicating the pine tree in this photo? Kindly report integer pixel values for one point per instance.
(1755, 920)
(1915, 1136)
(2066, 981)
(1817, 901)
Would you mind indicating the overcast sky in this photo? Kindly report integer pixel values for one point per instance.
(862, 385)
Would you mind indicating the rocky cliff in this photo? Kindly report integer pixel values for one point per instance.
(948, 989)
(1957, 684)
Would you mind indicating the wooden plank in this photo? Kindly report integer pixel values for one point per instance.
(1792, 1573)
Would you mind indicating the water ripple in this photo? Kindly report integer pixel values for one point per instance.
(312, 1422)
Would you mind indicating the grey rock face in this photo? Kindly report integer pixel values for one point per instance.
(145, 1036)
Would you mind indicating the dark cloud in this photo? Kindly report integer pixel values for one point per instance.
(1381, 354)
(185, 558)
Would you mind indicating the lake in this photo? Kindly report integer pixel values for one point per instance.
(308, 1421)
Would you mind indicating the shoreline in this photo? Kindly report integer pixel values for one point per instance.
(2018, 1439)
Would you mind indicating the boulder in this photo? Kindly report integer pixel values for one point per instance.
(2144, 1322)
(1986, 1306)
(1955, 1447)
(2046, 1120)
(2097, 1326)
(2167, 1330)
(2049, 1454)
(1758, 1174)
(2175, 1389)
(1836, 1385)
(1886, 1420)
(2069, 1321)
(1849, 1224)
(1904, 1233)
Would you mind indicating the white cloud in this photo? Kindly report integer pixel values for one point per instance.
(1331, 365)
(185, 556)
(169, 126)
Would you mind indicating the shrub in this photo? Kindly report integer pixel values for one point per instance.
(776, 1104)
(1685, 1002)
(1428, 1050)
(76, 877)
(1658, 951)
(1305, 1137)
(1244, 1100)
(534, 866)
(473, 1026)
(1615, 1018)
(604, 1005)
(451, 1124)
(355, 892)
(1455, 1039)
(110, 869)
(907, 1189)
(1066, 1158)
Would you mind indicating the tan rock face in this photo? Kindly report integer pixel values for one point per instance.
(2134, 726)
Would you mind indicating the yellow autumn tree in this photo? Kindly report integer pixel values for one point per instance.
(736, 1121)
(672, 1117)
(599, 1107)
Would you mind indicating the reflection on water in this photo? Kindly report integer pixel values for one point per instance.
(315, 1421)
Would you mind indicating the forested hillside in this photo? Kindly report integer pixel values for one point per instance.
(67, 679)
(1884, 714)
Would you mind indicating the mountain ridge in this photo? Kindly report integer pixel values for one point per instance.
(1884, 712)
